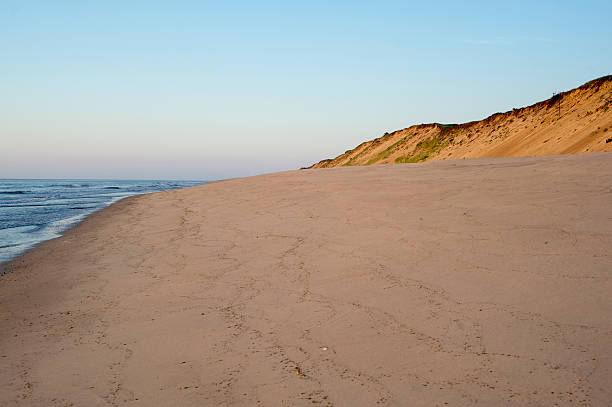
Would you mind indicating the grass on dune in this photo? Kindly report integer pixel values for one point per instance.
(425, 149)
(388, 151)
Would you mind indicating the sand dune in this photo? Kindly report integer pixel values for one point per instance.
(465, 282)
(577, 121)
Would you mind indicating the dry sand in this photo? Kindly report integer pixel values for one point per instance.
(466, 282)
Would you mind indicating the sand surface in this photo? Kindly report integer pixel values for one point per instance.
(466, 282)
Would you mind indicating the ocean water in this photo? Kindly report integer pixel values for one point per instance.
(32, 211)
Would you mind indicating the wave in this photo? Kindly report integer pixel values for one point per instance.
(69, 185)
(31, 205)
(10, 245)
(18, 192)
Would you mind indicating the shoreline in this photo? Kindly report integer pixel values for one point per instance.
(465, 282)
(60, 226)
(64, 233)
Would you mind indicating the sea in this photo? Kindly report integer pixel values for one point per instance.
(35, 210)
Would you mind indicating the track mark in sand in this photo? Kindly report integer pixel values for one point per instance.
(407, 282)
(304, 370)
(489, 375)
(317, 397)
(295, 270)
(119, 394)
(555, 333)
(236, 320)
(319, 366)
(25, 392)
(230, 375)
(263, 352)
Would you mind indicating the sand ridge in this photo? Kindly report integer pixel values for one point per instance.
(463, 282)
(572, 122)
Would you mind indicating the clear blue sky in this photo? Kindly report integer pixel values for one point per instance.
(194, 89)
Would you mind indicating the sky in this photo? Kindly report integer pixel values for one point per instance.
(210, 90)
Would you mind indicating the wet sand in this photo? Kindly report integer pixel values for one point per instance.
(466, 282)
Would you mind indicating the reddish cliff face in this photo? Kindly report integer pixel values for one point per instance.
(576, 121)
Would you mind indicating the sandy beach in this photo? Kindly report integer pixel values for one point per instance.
(451, 283)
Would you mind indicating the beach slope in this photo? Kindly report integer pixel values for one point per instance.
(460, 282)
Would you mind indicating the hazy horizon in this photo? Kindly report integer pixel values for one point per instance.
(205, 91)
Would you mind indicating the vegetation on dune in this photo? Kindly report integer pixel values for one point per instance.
(388, 151)
(353, 159)
(412, 158)
(425, 149)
